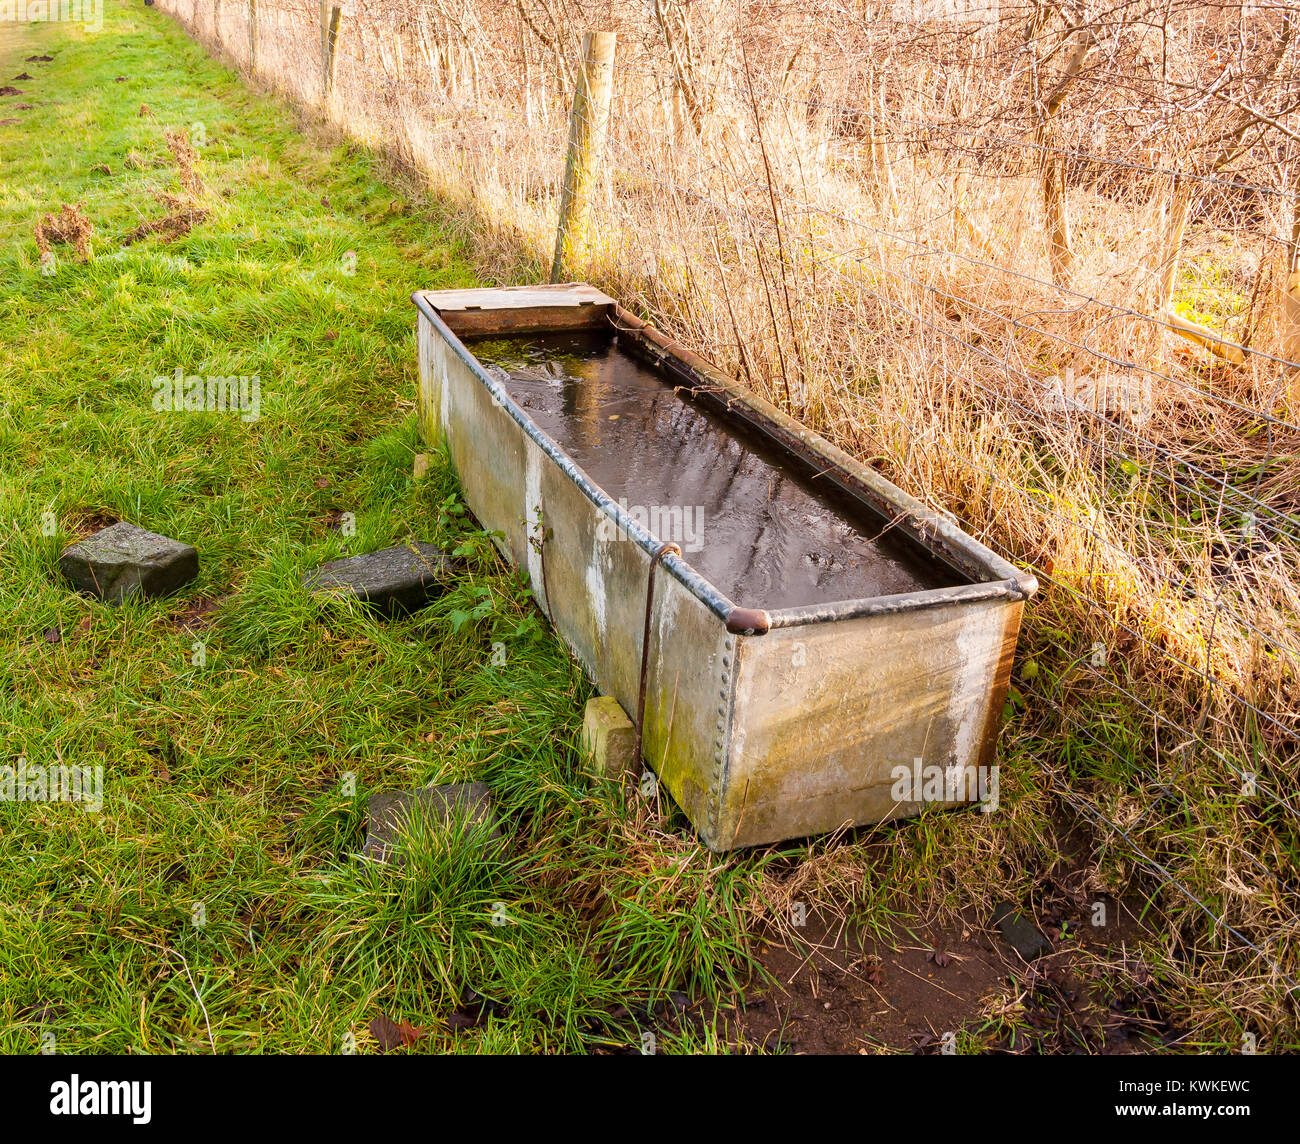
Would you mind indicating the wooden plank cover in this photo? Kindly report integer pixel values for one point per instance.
(517, 297)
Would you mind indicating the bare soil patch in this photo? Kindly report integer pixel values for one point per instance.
(928, 989)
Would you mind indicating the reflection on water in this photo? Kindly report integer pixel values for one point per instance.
(757, 529)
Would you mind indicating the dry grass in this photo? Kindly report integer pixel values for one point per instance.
(186, 158)
(174, 225)
(70, 226)
(851, 216)
(183, 211)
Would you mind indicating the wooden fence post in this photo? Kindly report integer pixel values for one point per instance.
(588, 125)
(330, 14)
(252, 35)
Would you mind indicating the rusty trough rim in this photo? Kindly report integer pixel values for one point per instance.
(994, 578)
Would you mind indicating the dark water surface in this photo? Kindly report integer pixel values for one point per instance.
(747, 520)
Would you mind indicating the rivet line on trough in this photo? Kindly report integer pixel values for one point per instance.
(720, 743)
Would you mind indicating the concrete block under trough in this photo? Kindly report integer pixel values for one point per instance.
(390, 811)
(393, 580)
(608, 738)
(125, 560)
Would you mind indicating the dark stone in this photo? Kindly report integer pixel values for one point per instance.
(387, 812)
(1019, 932)
(124, 560)
(394, 580)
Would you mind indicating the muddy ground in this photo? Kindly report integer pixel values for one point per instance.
(958, 987)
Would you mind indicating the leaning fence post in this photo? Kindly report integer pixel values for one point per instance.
(329, 42)
(252, 35)
(588, 124)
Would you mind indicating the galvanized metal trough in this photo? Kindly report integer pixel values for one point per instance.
(783, 713)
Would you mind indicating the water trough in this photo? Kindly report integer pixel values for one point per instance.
(793, 634)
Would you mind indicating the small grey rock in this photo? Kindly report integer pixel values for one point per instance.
(124, 560)
(1020, 933)
(394, 580)
(386, 813)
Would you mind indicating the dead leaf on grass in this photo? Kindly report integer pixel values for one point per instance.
(391, 1035)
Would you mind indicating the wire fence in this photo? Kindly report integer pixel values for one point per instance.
(1048, 284)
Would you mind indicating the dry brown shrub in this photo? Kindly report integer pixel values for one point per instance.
(171, 226)
(178, 143)
(69, 226)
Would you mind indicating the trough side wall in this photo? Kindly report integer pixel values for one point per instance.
(862, 696)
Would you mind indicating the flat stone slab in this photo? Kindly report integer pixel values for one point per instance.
(1019, 932)
(124, 560)
(394, 580)
(387, 812)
